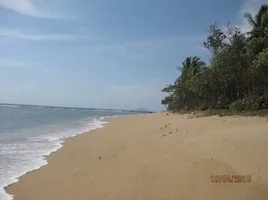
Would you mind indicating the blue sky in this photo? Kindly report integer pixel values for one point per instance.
(103, 53)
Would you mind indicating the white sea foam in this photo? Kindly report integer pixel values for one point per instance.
(58, 108)
(118, 111)
(23, 156)
(9, 106)
(100, 110)
(107, 118)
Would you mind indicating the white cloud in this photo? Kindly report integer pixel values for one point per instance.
(14, 64)
(251, 6)
(26, 7)
(11, 63)
(20, 35)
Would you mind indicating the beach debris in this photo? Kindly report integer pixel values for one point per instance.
(163, 135)
(170, 132)
(211, 158)
(190, 117)
(99, 158)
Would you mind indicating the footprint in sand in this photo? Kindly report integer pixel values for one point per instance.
(165, 127)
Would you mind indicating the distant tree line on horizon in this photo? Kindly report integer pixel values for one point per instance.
(237, 77)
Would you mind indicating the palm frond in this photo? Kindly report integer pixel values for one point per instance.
(250, 20)
(263, 11)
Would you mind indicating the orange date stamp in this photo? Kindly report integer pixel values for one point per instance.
(231, 178)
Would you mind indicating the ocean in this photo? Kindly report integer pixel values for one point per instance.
(28, 133)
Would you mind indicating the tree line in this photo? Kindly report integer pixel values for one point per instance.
(237, 76)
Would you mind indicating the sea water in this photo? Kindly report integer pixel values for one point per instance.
(28, 133)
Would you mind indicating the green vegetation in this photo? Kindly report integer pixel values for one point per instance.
(237, 78)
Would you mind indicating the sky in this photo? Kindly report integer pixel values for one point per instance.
(104, 53)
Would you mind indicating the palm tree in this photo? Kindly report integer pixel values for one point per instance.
(259, 23)
(190, 67)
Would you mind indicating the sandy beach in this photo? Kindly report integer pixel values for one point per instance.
(156, 157)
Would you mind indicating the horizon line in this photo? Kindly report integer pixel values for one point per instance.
(54, 106)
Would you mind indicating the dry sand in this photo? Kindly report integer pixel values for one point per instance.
(156, 157)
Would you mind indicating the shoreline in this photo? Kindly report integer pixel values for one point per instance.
(103, 121)
(97, 123)
(139, 152)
